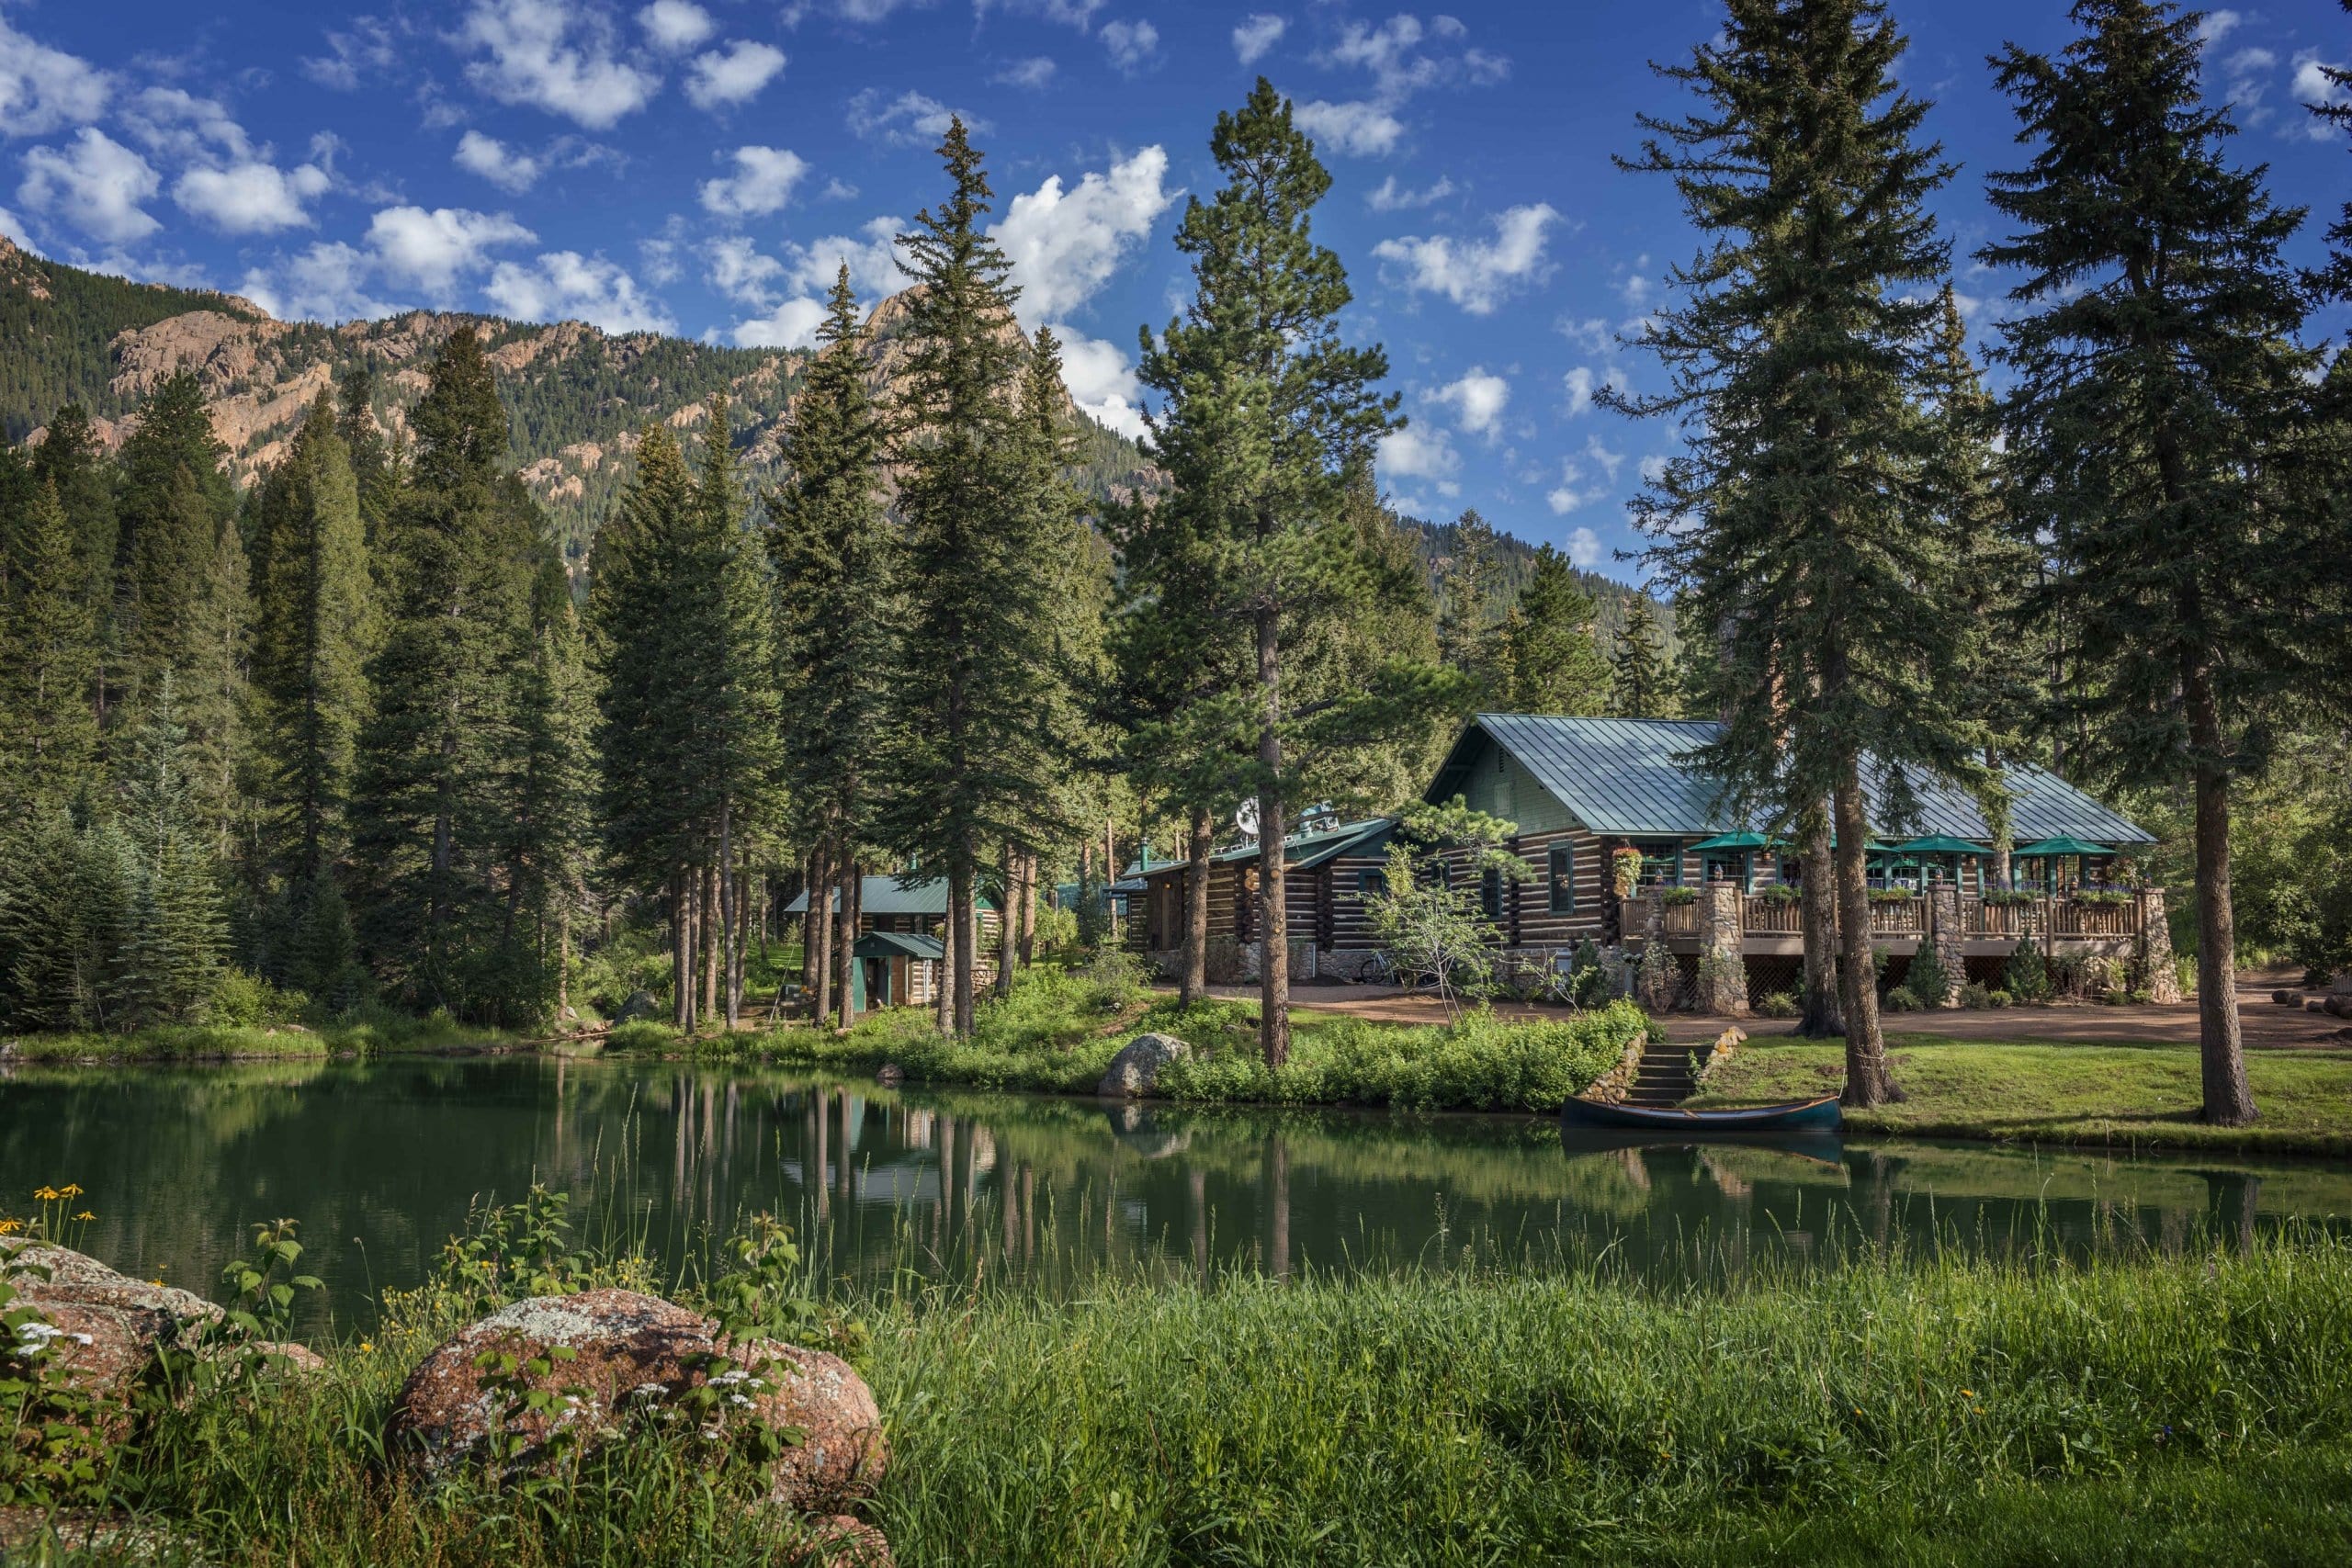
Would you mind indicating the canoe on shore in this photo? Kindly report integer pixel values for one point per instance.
(1798, 1116)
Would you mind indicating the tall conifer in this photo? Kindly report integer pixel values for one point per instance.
(1642, 682)
(2154, 416)
(1792, 523)
(1551, 654)
(48, 731)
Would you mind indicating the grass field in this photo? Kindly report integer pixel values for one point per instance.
(374, 1033)
(2032, 1091)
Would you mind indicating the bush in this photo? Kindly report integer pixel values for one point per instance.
(1997, 998)
(1057, 929)
(1676, 897)
(1590, 987)
(1780, 892)
(2027, 976)
(1974, 994)
(641, 1034)
(1927, 980)
(1118, 977)
(243, 1000)
(1899, 1001)
(1780, 1004)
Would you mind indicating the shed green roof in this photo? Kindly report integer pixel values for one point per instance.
(883, 895)
(1632, 777)
(899, 944)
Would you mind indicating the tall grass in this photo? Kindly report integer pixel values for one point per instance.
(367, 1031)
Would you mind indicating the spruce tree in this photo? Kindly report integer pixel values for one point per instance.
(1267, 415)
(177, 927)
(434, 795)
(2336, 279)
(48, 731)
(2157, 409)
(67, 881)
(967, 769)
(72, 458)
(1790, 524)
(547, 852)
(315, 626)
(174, 503)
(1469, 634)
(1551, 650)
(1642, 680)
(833, 558)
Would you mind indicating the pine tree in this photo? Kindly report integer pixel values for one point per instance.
(967, 770)
(1642, 682)
(833, 558)
(1268, 417)
(2336, 279)
(2154, 418)
(374, 478)
(48, 731)
(435, 796)
(1551, 650)
(66, 887)
(315, 628)
(177, 928)
(174, 505)
(547, 856)
(1795, 350)
(72, 458)
(213, 692)
(1469, 634)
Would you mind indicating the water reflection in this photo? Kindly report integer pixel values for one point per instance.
(380, 1162)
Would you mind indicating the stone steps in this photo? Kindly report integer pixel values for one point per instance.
(1663, 1079)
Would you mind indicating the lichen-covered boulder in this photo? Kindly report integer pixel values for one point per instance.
(637, 1005)
(636, 1351)
(1135, 1069)
(890, 1075)
(102, 1326)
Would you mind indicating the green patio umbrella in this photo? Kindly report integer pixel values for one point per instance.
(1941, 844)
(2051, 849)
(1734, 842)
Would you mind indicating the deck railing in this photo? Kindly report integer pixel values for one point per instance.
(2063, 918)
(2071, 916)
(2004, 920)
(1682, 920)
(1899, 916)
(1781, 916)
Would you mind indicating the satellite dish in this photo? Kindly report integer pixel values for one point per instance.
(1245, 817)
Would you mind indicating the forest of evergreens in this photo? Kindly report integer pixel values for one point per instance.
(367, 732)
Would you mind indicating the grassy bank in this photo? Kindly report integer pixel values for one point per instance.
(2190, 1408)
(373, 1033)
(1059, 1031)
(2122, 1096)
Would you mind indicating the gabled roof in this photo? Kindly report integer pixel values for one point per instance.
(1303, 851)
(883, 896)
(899, 944)
(1631, 777)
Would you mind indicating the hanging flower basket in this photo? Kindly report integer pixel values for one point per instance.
(1625, 866)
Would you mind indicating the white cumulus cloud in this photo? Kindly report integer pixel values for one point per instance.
(96, 183)
(1130, 44)
(675, 26)
(1420, 452)
(792, 324)
(1254, 34)
(2312, 86)
(1065, 243)
(1584, 548)
(1477, 399)
(1102, 382)
(1030, 74)
(328, 282)
(1476, 273)
(554, 57)
(565, 286)
(252, 197)
(1361, 129)
(732, 75)
(762, 181)
(430, 250)
(508, 168)
(910, 120)
(42, 88)
(1391, 196)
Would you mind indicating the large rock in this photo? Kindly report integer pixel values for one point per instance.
(633, 1348)
(640, 1004)
(102, 1326)
(1135, 1069)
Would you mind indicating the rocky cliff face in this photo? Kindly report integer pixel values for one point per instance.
(578, 397)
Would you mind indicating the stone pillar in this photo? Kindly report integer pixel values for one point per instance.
(2151, 949)
(1943, 921)
(1723, 971)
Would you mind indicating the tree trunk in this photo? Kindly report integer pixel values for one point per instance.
(729, 907)
(707, 905)
(1273, 936)
(1820, 1018)
(959, 920)
(853, 915)
(1195, 984)
(1028, 944)
(682, 951)
(1868, 1082)
(943, 1001)
(1007, 937)
(2228, 1101)
(817, 936)
(968, 942)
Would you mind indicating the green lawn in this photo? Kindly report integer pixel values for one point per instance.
(2034, 1091)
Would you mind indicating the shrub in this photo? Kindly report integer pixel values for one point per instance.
(1974, 994)
(1891, 895)
(1677, 896)
(641, 1034)
(1587, 956)
(2027, 976)
(1590, 987)
(1928, 981)
(245, 1000)
(1780, 1004)
(1057, 929)
(1998, 999)
(2007, 897)
(1118, 979)
(1899, 1001)
(1658, 978)
(1780, 892)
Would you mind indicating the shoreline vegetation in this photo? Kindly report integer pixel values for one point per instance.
(2183, 1405)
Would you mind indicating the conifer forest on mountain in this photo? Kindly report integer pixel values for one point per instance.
(979, 972)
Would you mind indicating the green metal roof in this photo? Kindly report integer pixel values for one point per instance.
(899, 944)
(1630, 778)
(2049, 848)
(883, 896)
(1303, 851)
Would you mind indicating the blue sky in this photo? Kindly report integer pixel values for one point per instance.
(701, 166)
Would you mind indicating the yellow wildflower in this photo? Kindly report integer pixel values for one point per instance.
(10, 1227)
(46, 1194)
(366, 1346)
(71, 1189)
(86, 1214)
(1968, 1393)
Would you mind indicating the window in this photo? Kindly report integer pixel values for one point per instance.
(1371, 881)
(1490, 892)
(1560, 877)
(1661, 863)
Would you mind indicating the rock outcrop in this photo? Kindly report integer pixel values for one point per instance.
(1135, 1069)
(102, 1326)
(630, 1353)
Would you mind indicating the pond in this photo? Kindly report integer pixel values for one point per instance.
(380, 1162)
